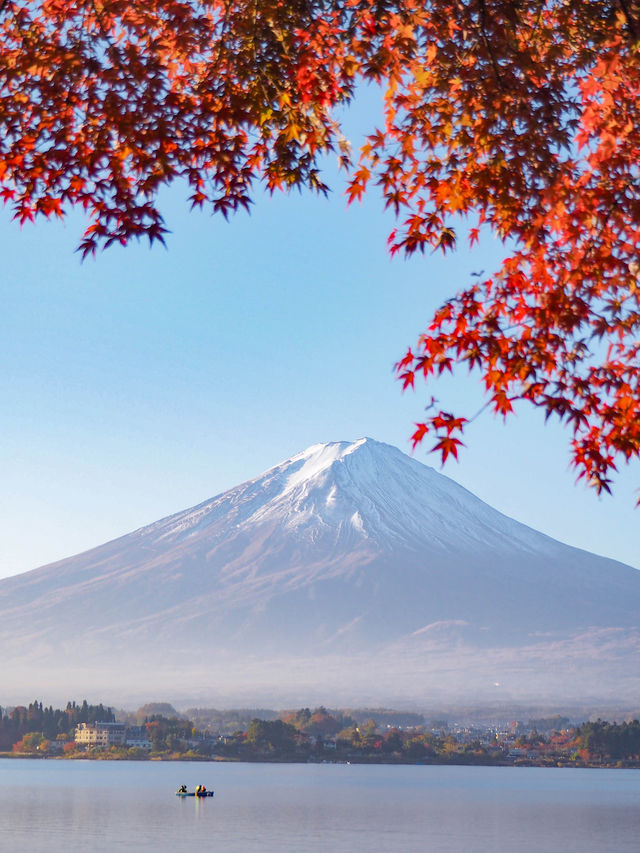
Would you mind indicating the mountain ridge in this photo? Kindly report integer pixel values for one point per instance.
(343, 552)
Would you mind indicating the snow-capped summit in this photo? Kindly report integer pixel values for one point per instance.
(366, 489)
(346, 558)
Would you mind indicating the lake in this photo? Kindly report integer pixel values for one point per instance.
(92, 806)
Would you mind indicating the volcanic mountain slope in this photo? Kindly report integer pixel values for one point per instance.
(348, 564)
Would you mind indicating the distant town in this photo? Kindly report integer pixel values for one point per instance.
(157, 731)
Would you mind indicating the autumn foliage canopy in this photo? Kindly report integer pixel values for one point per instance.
(520, 119)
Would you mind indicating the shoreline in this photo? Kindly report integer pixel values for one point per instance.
(351, 761)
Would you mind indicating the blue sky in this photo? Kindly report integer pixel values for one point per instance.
(139, 383)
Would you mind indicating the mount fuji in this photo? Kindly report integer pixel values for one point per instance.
(348, 573)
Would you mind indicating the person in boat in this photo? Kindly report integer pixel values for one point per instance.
(203, 791)
(182, 789)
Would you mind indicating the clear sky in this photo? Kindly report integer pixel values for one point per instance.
(144, 381)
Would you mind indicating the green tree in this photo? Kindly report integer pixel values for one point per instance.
(271, 736)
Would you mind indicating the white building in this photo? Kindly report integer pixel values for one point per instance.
(100, 734)
(139, 742)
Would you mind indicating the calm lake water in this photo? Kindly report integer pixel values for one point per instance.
(130, 806)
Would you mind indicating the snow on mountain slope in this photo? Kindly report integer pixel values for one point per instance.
(344, 550)
(367, 488)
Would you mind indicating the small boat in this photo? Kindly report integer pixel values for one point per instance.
(193, 794)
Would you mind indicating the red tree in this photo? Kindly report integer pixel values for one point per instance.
(522, 117)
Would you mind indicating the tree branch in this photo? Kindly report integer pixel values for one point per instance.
(631, 23)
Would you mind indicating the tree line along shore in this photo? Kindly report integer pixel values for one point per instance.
(156, 731)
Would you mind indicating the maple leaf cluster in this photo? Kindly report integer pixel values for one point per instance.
(106, 101)
(520, 117)
(526, 119)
